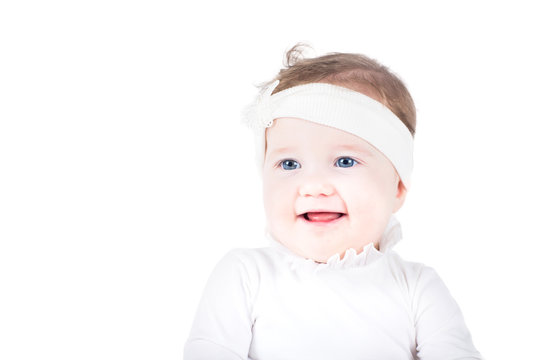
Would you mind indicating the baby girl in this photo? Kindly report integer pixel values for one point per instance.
(334, 137)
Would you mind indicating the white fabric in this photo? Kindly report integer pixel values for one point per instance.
(270, 304)
(340, 108)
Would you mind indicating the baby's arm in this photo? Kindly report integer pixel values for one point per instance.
(441, 332)
(222, 325)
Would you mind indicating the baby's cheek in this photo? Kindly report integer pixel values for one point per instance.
(270, 193)
(367, 201)
(378, 185)
(278, 203)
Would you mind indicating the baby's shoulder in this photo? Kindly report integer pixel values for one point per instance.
(253, 259)
(409, 271)
(412, 274)
(395, 260)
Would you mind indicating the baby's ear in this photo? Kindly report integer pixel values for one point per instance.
(401, 194)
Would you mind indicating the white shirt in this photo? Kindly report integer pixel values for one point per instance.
(270, 304)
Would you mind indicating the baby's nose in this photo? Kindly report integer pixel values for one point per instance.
(316, 187)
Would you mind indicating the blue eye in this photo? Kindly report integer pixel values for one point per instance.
(346, 162)
(289, 164)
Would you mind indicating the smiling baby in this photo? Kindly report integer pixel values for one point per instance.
(334, 138)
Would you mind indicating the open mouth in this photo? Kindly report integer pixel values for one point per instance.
(322, 217)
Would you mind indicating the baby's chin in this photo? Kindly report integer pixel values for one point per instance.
(320, 254)
(320, 248)
(324, 256)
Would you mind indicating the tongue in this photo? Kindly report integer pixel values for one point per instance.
(323, 216)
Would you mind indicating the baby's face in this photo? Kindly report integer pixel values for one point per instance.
(326, 190)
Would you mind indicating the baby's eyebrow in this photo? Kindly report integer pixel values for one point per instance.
(280, 150)
(355, 148)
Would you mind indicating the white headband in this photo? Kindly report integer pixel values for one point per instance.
(340, 108)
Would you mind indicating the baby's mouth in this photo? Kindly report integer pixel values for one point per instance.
(323, 217)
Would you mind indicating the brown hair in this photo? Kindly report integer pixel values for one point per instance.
(354, 71)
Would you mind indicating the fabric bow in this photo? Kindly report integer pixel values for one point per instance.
(258, 115)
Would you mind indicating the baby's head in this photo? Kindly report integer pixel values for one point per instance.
(335, 135)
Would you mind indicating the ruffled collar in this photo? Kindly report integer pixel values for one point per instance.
(391, 236)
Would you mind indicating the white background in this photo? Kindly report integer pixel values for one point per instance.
(125, 173)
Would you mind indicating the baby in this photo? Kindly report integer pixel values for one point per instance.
(335, 142)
